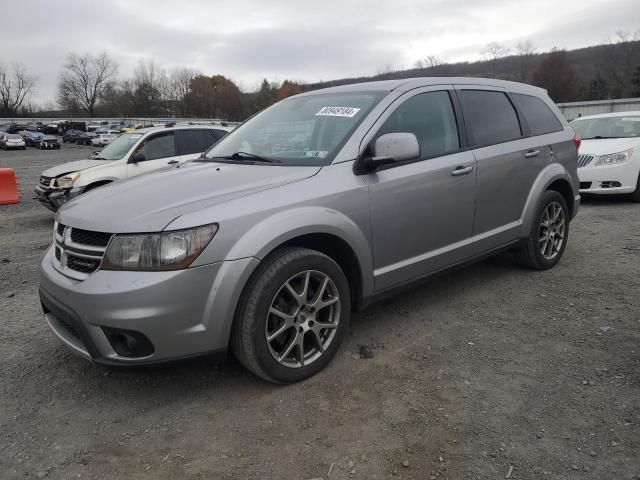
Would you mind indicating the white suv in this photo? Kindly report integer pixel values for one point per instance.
(609, 160)
(129, 155)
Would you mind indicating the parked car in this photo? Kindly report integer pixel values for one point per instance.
(49, 129)
(14, 128)
(10, 141)
(48, 142)
(63, 127)
(70, 136)
(129, 155)
(32, 139)
(268, 253)
(132, 128)
(85, 138)
(103, 139)
(609, 161)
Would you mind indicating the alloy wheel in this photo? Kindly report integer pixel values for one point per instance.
(552, 231)
(302, 319)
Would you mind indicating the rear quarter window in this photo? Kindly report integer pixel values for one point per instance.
(537, 114)
(489, 116)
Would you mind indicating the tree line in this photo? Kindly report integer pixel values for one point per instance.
(89, 85)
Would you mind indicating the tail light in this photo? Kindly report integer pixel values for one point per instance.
(577, 141)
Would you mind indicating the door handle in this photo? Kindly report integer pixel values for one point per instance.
(462, 170)
(171, 162)
(532, 153)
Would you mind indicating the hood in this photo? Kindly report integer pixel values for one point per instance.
(608, 145)
(148, 203)
(73, 167)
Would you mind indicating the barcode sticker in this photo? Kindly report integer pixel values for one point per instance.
(349, 112)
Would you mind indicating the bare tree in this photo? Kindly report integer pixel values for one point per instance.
(83, 81)
(492, 52)
(619, 61)
(178, 87)
(386, 71)
(15, 87)
(556, 74)
(430, 61)
(525, 50)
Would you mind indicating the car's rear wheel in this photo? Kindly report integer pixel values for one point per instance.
(546, 242)
(293, 315)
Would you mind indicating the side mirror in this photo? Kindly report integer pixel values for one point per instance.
(137, 157)
(390, 148)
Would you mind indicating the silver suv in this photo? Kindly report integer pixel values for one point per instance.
(311, 209)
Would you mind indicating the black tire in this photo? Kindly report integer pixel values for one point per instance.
(248, 337)
(529, 254)
(635, 196)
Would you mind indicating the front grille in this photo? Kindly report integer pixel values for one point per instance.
(86, 237)
(45, 182)
(78, 252)
(584, 160)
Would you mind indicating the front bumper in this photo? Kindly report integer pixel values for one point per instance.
(611, 179)
(182, 313)
(53, 199)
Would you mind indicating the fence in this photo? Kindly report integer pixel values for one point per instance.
(574, 110)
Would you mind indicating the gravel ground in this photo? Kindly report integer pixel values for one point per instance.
(488, 372)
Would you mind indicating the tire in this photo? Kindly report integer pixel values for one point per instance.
(267, 291)
(635, 196)
(530, 252)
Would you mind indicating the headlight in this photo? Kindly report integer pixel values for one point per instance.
(157, 251)
(614, 158)
(67, 180)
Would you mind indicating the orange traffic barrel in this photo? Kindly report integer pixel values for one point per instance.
(9, 191)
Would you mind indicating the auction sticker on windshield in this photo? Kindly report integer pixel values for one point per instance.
(349, 112)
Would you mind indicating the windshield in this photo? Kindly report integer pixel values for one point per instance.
(119, 147)
(306, 130)
(608, 127)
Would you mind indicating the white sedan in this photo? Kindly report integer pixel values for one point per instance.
(609, 157)
(103, 139)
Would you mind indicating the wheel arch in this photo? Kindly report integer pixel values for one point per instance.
(563, 187)
(318, 228)
(553, 177)
(96, 184)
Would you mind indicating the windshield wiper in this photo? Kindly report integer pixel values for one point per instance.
(250, 156)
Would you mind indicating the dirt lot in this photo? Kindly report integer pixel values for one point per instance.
(484, 371)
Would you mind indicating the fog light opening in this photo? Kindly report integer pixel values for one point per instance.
(128, 343)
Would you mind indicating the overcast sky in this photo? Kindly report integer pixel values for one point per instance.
(248, 40)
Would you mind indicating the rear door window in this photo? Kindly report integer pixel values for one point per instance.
(538, 115)
(194, 141)
(489, 116)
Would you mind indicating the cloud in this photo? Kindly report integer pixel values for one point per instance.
(248, 40)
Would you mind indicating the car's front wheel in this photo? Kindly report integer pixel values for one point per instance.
(635, 196)
(293, 315)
